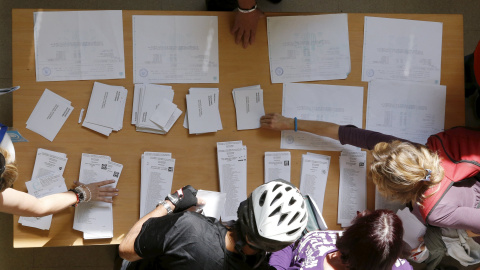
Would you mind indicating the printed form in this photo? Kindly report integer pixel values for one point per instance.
(410, 111)
(398, 49)
(232, 169)
(175, 49)
(248, 107)
(321, 103)
(352, 195)
(47, 162)
(313, 177)
(277, 166)
(79, 45)
(308, 48)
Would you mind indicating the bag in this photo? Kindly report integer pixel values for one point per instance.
(459, 150)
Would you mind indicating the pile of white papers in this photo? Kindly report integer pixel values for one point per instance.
(49, 115)
(412, 227)
(175, 49)
(308, 48)
(313, 177)
(79, 45)
(156, 179)
(248, 106)
(352, 195)
(149, 101)
(106, 108)
(398, 49)
(214, 202)
(40, 187)
(232, 169)
(202, 114)
(407, 110)
(277, 166)
(95, 218)
(320, 102)
(46, 180)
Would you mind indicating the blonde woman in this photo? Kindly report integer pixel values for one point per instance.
(409, 172)
(20, 203)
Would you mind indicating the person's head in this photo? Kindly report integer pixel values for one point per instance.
(8, 170)
(373, 241)
(273, 217)
(404, 171)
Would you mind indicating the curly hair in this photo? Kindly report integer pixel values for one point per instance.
(10, 174)
(399, 170)
(373, 241)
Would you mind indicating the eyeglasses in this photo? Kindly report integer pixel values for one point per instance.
(3, 163)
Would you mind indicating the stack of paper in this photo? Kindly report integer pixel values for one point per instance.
(232, 169)
(202, 114)
(175, 49)
(40, 187)
(94, 218)
(308, 48)
(49, 115)
(106, 108)
(313, 177)
(277, 166)
(324, 103)
(79, 45)
(248, 106)
(214, 202)
(156, 179)
(46, 180)
(412, 227)
(407, 110)
(352, 195)
(149, 101)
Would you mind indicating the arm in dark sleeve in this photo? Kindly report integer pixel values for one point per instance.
(363, 138)
(282, 259)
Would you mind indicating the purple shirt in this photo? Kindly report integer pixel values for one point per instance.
(458, 207)
(311, 251)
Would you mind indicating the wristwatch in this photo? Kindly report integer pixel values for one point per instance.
(166, 206)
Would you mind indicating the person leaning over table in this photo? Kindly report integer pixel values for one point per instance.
(272, 217)
(23, 204)
(373, 241)
(402, 170)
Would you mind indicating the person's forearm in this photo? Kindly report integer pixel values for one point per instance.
(126, 248)
(246, 4)
(321, 128)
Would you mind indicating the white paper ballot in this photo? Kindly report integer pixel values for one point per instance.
(313, 177)
(308, 48)
(79, 45)
(352, 195)
(322, 103)
(410, 111)
(277, 166)
(398, 49)
(248, 107)
(149, 98)
(412, 227)
(47, 162)
(49, 115)
(215, 202)
(163, 112)
(213, 95)
(232, 169)
(203, 113)
(175, 49)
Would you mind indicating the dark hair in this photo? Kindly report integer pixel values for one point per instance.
(373, 241)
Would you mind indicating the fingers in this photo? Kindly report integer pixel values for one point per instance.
(201, 202)
(106, 182)
(246, 38)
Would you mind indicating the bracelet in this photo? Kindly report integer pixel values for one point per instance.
(166, 206)
(79, 196)
(295, 121)
(89, 194)
(247, 10)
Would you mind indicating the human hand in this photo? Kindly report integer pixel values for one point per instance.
(276, 121)
(183, 198)
(97, 191)
(245, 27)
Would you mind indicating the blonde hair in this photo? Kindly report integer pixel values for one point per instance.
(10, 174)
(399, 170)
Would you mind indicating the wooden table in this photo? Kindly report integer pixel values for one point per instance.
(196, 161)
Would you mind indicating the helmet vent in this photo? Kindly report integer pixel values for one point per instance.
(282, 218)
(294, 218)
(288, 188)
(279, 195)
(292, 231)
(303, 205)
(261, 201)
(304, 217)
(275, 211)
(292, 201)
(276, 186)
